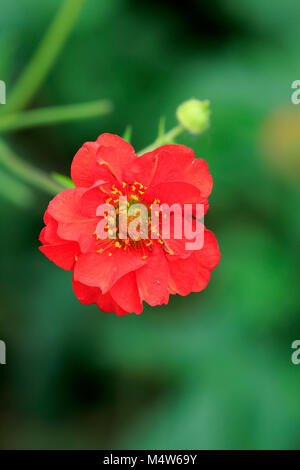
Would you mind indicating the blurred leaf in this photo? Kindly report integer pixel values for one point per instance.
(127, 134)
(15, 191)
(63, 180)
(55, 115)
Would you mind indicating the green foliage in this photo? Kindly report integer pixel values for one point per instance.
(63, 180)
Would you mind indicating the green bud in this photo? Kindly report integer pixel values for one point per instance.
(193, 115)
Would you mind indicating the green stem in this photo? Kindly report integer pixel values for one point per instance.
(164, 139)
(45, 56)
(27, 172)
(54, 115)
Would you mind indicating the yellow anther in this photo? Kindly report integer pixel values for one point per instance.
(124, 184)
(160, 241)
(103, 190)
(144, 257)
(100, 251)
(118, 245)
(134, 197)
(109, 254)
(76, 257)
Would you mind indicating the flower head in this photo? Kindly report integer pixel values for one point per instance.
(118, 272)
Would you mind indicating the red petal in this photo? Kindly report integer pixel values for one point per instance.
(193, 274)
(83, 165)
(172, 192)
(112, 162)
(114, 155)
(152, 279)
(65, 207)
(154, 167)
(73, 224)
(42, 236)
(63, 255)
(102, 270)
(113, 140)
(186, 276)
(107, 304)
(125, 293)
(209, 255)
(85, 169)
(85, 294)
(182, 275)
(50, 232)
(183, 155)
(198, 175)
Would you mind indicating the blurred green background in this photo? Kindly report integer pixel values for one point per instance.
(209, 371)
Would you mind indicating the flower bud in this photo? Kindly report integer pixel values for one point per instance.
(193, 115)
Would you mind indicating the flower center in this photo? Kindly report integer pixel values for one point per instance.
(128, 203)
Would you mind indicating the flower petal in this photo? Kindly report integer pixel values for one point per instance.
(63, 254)
(198, 175)
(113, 140)
(209, 255)
(187, 276)
(107, 304)
(73, 224)
(125, 293)
(173, 192)
(83, 165)
(152, 279)
(154, 167)
(102, 270)
(85, 294)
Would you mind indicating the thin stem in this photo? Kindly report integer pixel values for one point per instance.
(27, 172)
(54, 115)
(45, 55)
(164, 139)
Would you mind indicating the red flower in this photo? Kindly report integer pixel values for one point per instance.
(118, 275)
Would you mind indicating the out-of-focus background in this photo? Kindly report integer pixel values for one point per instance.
(209, 371)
